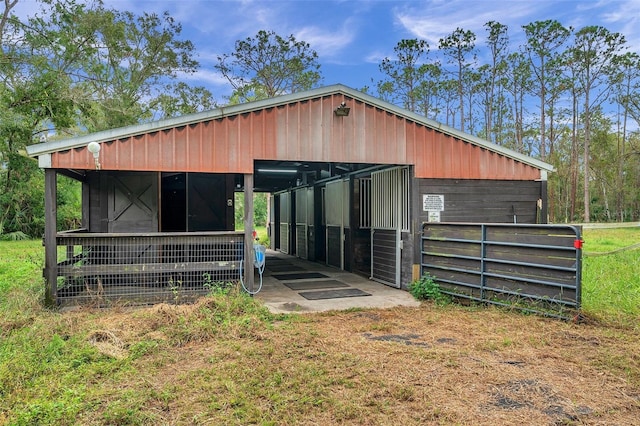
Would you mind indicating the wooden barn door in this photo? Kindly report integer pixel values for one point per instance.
(285, 221)
(207, 196)
(132, 202)
(337, 218)
(389, 217)
(304, 220)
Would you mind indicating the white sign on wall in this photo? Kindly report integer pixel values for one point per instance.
(433, 216)
(432, 203)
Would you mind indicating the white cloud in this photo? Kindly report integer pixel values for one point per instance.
(433, 20)
(624, 17)
(327, 42)
(204, 77)
(376, 56)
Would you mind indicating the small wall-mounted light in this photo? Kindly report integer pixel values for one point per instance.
(94, 148)
(278, 171)
(342, 110)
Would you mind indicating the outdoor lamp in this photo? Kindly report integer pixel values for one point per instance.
(94, 148)
(342, 110)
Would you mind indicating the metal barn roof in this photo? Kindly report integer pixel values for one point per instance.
(301, 127)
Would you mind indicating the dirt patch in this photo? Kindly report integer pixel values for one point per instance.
(406, 339)
(427, 365)
(107, 343)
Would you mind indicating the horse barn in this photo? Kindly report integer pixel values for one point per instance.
(352, 179)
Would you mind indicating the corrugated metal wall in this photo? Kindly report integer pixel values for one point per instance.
(305, 130)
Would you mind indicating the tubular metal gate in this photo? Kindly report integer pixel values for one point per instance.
(532, 267)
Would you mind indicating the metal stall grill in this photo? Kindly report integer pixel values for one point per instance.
(285, 221)
(337, 217)
(145, 268)
(365, 203)
(390, 216)
(534, 267)
(302, 223)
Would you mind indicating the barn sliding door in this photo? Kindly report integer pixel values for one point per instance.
(389, 218)
(207, 202)
(132, 207)
(132, 202)
(337, 217)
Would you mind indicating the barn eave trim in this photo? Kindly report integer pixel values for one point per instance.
(227, 111)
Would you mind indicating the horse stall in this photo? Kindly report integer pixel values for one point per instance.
(352, 179)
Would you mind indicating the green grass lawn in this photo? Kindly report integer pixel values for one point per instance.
(227, 360)
(20, 264)
(610, 282)
(611, 275)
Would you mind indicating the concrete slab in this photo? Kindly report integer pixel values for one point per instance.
(281, 299)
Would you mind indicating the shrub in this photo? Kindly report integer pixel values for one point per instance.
(427, 288)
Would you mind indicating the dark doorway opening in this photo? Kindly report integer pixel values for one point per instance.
(174, 202)
(196, 202)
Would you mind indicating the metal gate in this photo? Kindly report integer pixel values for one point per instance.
(337, 217)
(390, 216)
(533, 267)
(304, 220)
(285, 221)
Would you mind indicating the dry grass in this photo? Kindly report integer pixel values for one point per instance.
(427, 365)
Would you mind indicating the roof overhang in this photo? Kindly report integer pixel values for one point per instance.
(40, 149)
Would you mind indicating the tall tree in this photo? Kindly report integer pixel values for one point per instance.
(430, 91)
(628, 87)
(544, 38)
(519, 81)
(134, 68)
(269, 65)
(75, 67)
(459, 48)
(498, 44)
(571, 70)
(595, 51)
(405, 73)
(34, 97)
(4, 18)
(181, 99)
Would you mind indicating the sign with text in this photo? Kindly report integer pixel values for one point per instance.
(432, 203)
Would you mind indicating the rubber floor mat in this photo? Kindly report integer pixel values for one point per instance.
(299, 276)
(276, 260)
(333, 294)
(284, 268)
(314, 285)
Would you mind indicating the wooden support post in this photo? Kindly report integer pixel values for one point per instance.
(416, 223)
(50, 245)
(248, 232)
(85, 204)
(544, 196)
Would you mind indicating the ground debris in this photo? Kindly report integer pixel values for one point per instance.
(407, 339)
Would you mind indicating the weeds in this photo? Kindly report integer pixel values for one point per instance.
(227, 360)
(216, 287)
(426, 288)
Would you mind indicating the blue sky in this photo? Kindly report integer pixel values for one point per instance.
(352, 37)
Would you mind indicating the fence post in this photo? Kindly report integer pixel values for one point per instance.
(50, 244)
(248, 232)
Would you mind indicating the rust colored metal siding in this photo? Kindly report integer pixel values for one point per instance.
(438, 155)
(306, 130)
